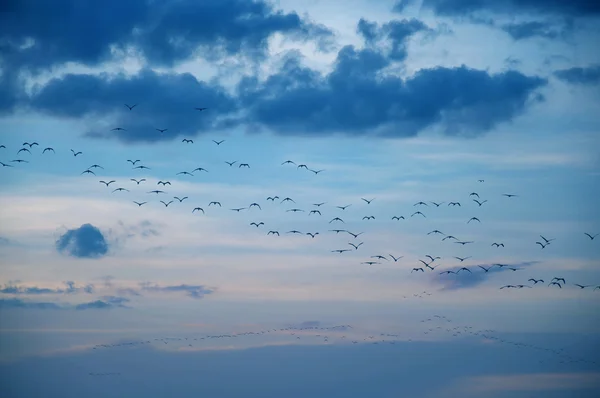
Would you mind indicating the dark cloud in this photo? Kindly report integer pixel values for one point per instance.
(84, 242)
(579, 75)
(572, 8)
(11, 288)
(397, 32)
(526, 30)
(465, 280)
(165, 32)
(194, 291)
(356, 97)
(4, 241)
(166, 100)
(18, 303)
(106, 302)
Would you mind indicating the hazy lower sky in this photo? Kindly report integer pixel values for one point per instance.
(393, 131)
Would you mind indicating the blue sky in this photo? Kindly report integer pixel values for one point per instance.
(396, 101)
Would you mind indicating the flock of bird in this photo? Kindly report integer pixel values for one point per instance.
(334, 223)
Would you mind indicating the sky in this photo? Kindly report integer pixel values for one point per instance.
(435, 159)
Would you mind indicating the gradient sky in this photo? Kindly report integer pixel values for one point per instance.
(395, 101)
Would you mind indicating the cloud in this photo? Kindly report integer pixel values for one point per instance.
(106, 302)
(84, 242)
(10, 288)
(526, 30)
(397, 32)
(357, 97)
(18, 303)
(575, 8)
(465, 280)
(579, 75)
(194, 291)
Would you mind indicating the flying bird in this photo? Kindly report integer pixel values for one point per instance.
(559, 280)
(449, 237)
(398, 218)
(218, 142)
(76, 153)
(88, 171)
(120, 189)
(142, 167)
(163, 183)
(131, 107)
(509, 195)
(498, 244)
(166, 203)
(20, 161)
(107, 183)
(238, 209)
(340, 250)
(368, 218)
(319, 204)
(215, 203)
(418, 212)
(156, 191)
(133, 162)
(161, 130)
(316, 171)
(187, 141)
(257, 225)
(200, 109)
(180, 199)
(48, 149)
(118, 129)
(199, 169)
(355, 235)
(370, 262)
(336, 219)
(555, 283)
(417, 269)
(478, 202)
(435, 231)
(355, 246)
(246, 165)
(463, 269)
(312, 235)
(6, 165)
(314, 212)
(541, 244)
(273, 233)
(394, 258)
(198, 209)
(454, 204)
(138, 181)
(185, 173)
(473, 219)
(535, 281)
(463, 243)
(231, 163)
(139, 203)
(368, 201)
(288, 162)
(483, 268)
(581, 286)
(591, 236)
(294, 210)
(343, 207)
(421, 203)
(447, 272)
(547, 240)
(23, 150)
(255, 205)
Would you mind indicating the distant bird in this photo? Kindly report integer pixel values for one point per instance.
(118, 129)
(355, 235)
(138, 181)
(541, 244)
(316, 171)
(288, 162)
(180, 199)
(379, 256)
(394, 258)
(418, 212)
(368, 218)
(398, 218)
(255, 205)
(96, 166)
(462, 259)
(139, 203)
(163, 183)
(547, 240)
(161, 130)
(107, 183)
(200, 109)
(20, 161)
(257, 224)
(273, 233)
(555, 283)
(474, 194)
(319, 204)
(185, 173)
(314, 212)
(166, 203)
(302, 166)
(218, 142)
(370, 262)
(340, 250)
(133, 162)
(336, 219)
(454, 204)
(581, 286)
(120, 189)
(590, 236)
(295, 210)
(435, 231)
(48, 149)
(559, 280)
(142, 167)
(76, 153)
(231, 163)
(473, 219)
(447, 272)
(421, 203)
(6, 165)
(463, 243)
(432, 258)
(478, 202)
(355, 246)
(463, 269)
(368, 201)
(238, 209)
(187, 141)
(450, 237)
(312, 235)
(509, 195)
(508, 286)
(198, 209)
(535, 281)
(483, 268)
(498, 244)
(131, 107)
(272, 198)
(337, 231)
(246, 165)
(215, 203)
(480, 180)
(30, 144)
(343, 207)
(23, 150)
(88, 171)
(156, 191)
(417, 269)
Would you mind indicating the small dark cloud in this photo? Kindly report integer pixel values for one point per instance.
(194, 291)
(12, 288)
(465, 279)
(105, 302)
(573, 8)
(578, 75)
(84, 242)
(18, 303)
